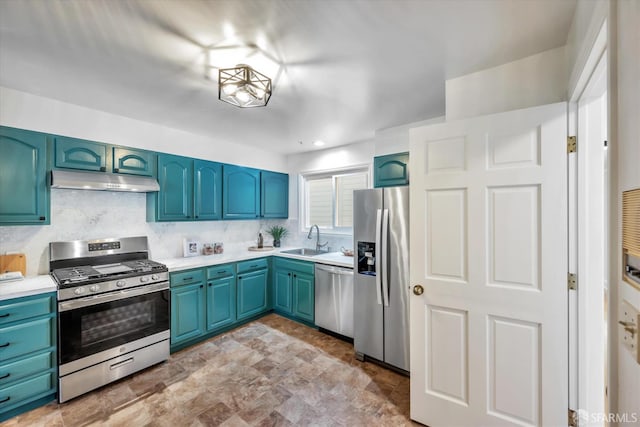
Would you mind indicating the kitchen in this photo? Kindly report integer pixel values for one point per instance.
(84, 215)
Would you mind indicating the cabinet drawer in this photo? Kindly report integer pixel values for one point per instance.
(253, 264)
(11, 395)
(24, 309)
(299, 266)
(219, 271)
(25, 338)
(187, 277)
(11, 372)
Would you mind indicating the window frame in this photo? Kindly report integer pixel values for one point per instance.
(304, 224)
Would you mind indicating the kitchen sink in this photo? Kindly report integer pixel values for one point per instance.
(303, 251)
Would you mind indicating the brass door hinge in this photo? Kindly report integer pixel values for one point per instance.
(572, 144)
(572, 281)
(573, 418)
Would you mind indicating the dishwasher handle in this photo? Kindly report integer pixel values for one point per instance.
(335, 270)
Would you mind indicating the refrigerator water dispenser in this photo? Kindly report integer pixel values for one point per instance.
(367, 258)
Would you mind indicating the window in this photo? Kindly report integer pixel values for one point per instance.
(328, 198)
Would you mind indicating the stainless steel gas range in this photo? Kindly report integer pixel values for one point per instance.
(113, 311)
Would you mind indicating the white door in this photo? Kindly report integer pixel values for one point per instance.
(489, 247)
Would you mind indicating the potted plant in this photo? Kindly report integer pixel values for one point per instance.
(278, 232)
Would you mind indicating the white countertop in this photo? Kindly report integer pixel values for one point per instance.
(28, 286)
(178, 264)
(44, 283)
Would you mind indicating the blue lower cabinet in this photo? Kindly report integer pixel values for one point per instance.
(294, 289)
(282, 280)
(27, 353)
(252, 293)
(304, 297)
(221, 302)
(187, 312)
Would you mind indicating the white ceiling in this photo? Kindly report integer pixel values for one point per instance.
(349, 67)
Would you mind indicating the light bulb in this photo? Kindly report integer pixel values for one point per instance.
(229, 89)
(242, 95)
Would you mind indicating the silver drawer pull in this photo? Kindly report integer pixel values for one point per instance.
(119, 364)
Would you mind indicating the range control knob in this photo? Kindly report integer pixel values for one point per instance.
(154, 276)
(120, 283)
(144, 279)
(94, 288)
(78, 291)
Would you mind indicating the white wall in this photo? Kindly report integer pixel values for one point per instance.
(623, 48)
(628, 143)
(27, 111)
(535, 80)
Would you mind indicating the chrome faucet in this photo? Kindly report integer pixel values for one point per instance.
(318, 244)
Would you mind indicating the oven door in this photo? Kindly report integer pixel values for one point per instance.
(88, 326)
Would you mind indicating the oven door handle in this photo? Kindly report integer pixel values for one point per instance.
(111, 296)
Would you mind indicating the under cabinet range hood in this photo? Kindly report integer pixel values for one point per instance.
(102, 181)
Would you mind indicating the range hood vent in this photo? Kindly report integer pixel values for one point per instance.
(102, 181)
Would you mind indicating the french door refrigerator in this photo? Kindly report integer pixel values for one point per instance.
(381, 275)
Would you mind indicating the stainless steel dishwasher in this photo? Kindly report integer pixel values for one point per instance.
(334, 299)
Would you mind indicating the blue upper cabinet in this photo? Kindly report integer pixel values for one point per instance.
(274, 202)
(241, 192)
(133, 162)
(207, 191)
(24, 193)
(391, 170)
(74, 153)
(174, 201)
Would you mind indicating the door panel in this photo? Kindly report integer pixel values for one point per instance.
(221, 302)
(274, 200)
(489, 246)
(282, 290)
(207, 191)
(368, 321)
(187, 312)
(24, 194)
(396, 314)
(241, 195)
(80, 154)
(303, 296)
(133, 162)
(175, 198)
(252, 293)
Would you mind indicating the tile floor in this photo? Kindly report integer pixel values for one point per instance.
(271, 372)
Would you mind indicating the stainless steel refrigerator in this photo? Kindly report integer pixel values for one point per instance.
(381, 275)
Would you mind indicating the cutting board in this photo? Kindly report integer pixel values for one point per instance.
(13, 262)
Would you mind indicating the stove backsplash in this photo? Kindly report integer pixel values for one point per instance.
(84, 215)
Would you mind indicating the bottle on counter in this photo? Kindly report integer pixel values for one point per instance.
(260, 241)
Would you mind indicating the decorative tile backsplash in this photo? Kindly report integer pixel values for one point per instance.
(85, 215)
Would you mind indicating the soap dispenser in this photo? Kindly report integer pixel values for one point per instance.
(260, 241)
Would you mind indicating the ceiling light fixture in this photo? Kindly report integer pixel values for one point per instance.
(243, 86)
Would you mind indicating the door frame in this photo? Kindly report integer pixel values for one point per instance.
(587, 365)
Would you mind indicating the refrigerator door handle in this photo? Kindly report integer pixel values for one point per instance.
(377, 256)
(384, 256)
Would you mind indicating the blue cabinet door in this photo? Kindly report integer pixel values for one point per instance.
(303, 296)
(241, 192)
(75, 153)
(187, 312)
(133, 162)
(207, 190)
(252, 293)
(391, 170)
(221, 302)
(274, 195)
(24, 193)
(282, 280)
(175, 198)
